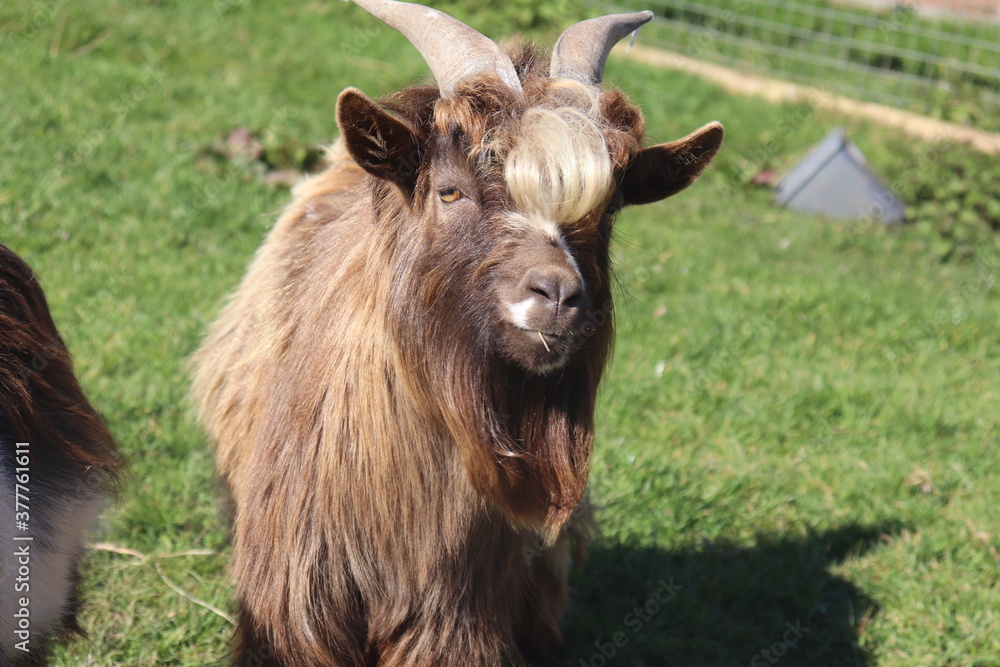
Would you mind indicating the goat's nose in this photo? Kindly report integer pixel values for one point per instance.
(560, 286)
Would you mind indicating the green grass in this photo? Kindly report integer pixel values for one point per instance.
(799, 426)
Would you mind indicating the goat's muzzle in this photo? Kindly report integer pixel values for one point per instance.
(542, 301)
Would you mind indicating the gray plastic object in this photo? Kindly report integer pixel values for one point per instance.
(835, 180)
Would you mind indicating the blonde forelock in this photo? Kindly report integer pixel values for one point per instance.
(558, 167)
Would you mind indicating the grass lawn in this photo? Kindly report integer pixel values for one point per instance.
(797, 457)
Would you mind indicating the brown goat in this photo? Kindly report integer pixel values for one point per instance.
(402, 389)
(59, 465)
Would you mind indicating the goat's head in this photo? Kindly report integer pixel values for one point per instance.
(515, 169)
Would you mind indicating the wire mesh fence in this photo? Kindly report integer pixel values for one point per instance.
(939, 57)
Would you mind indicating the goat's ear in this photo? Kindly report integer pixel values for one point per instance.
(380, 143)
(660, 171)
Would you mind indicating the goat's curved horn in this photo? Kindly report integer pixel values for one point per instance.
(583, 48)
(452, 50)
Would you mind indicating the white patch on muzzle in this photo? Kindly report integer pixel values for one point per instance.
(519, 312)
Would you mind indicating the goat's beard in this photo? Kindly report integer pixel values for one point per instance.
(524, 439)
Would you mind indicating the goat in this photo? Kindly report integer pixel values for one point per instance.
(401, 391)
(59, 465)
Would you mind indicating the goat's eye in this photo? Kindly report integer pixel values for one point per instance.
(448, 195)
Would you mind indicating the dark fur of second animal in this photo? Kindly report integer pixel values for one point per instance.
(73, 462)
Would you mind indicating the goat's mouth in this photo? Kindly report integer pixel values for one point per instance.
(543, 335)
(540, 351)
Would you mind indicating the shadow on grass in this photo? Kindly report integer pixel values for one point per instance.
(776, 603)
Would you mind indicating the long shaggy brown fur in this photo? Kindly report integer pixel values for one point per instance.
(72, 460)
(404, 494)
